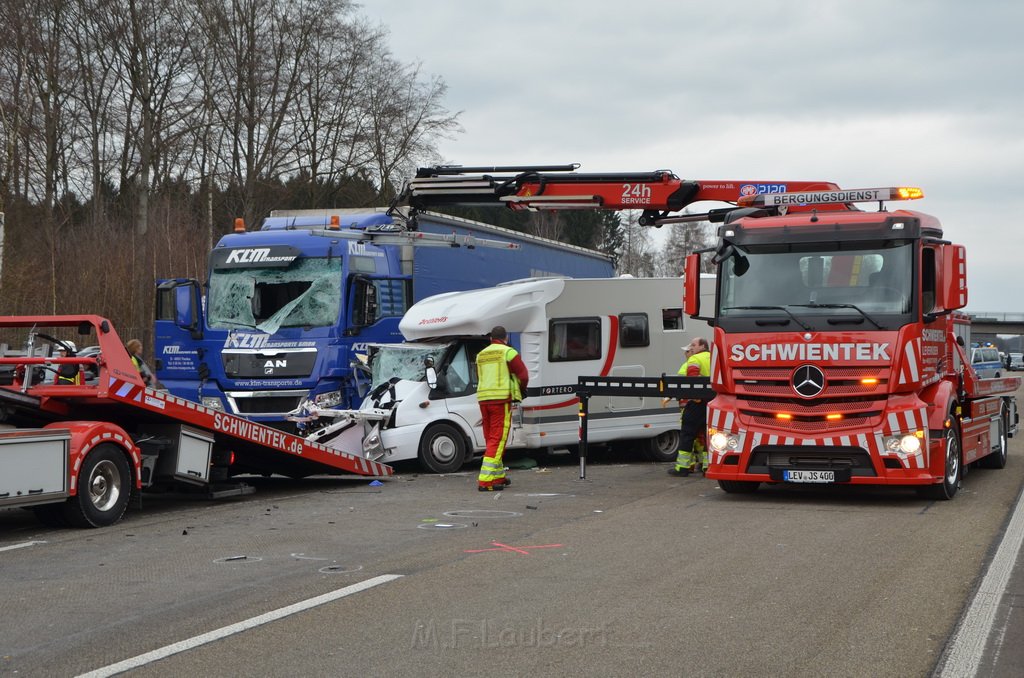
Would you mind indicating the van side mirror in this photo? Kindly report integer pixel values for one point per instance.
(431, 372)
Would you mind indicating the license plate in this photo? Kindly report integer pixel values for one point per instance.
(809, 476)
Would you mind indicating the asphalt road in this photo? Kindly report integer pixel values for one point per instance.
(628, 572)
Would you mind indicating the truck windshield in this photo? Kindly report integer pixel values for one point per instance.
(405, 361)
(856, 279)
(306, 294)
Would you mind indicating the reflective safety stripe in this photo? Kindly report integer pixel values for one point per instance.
(686, 459)
(492, 467)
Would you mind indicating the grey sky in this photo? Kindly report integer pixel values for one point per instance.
(864, 93)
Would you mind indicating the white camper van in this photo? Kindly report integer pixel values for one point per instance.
(422, 403)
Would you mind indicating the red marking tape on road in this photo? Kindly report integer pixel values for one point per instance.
(513, 549)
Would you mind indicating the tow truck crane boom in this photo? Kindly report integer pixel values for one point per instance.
(560, 187)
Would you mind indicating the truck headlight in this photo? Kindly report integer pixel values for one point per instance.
(907, 444)
(724, 442)
(328, 399)
(213, 402)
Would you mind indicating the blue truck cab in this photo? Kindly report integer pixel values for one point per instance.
(286, 312)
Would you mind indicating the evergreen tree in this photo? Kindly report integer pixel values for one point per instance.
(683, 239)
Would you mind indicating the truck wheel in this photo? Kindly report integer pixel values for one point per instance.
(104, 488)
(953, 468)
(997, 459)
(739, 486)
(442, 449)
(664, 447)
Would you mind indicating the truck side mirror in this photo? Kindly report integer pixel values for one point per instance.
(180, 301)
(953, 278)
(691, 285)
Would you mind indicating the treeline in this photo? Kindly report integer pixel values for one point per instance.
(135, 131)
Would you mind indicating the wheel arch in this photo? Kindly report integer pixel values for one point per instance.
(460, 425)
(464, 428)
(87, 435)
(941, 399)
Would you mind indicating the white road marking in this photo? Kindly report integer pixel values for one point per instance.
(224, 632)
(20, 546)
(964, 654)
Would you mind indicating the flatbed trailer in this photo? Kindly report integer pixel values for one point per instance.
(82, 434)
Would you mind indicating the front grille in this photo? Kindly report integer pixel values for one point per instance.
(818, 425)
(810, 408)
(268, 405)
(775, 382)
(766, 457)
(810, 416)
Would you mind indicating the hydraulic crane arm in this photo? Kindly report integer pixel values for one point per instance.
(560, 187)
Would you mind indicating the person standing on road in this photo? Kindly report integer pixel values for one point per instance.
(134, 348)
(501, 380)
(694, 413)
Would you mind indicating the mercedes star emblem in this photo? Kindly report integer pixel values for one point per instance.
(808, 381)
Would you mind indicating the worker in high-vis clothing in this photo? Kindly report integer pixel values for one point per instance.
(501, 380)
(692, 430)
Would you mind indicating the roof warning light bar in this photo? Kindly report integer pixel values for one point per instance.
(827, 197)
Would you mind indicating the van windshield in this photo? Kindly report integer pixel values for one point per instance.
(405, 361)
(305, 294)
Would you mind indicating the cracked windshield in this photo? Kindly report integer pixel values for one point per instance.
(306, 294)
(404, 362)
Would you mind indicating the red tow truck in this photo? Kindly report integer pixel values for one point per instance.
(81, 433)
(839, 349)
(839, 352)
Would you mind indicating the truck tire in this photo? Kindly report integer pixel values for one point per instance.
(953, 470)
(997, 459)
(739, 486)
(104, 488)
(663, 447)
(442, 449)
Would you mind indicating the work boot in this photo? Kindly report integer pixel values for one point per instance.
(496, 487)
(680, 473)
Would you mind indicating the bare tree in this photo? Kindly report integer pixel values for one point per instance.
(260, 48)
(331, 122)
(100, 74)
(637, 257)
(120, 118)
(407, 118)
(15, 98)
(45, 83)
(546, 224)
(151, 39)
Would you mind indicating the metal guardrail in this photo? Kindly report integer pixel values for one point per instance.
(997, 316)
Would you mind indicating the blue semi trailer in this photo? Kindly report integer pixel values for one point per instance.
(286, 311)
